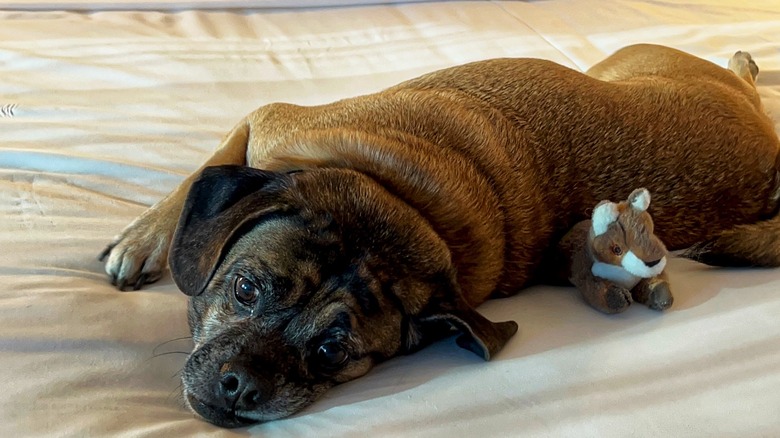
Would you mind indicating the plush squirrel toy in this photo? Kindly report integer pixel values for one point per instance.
(614, 258)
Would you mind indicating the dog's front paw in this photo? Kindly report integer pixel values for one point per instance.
(139, 255)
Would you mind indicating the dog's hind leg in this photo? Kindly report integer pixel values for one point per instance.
(742, 65)
(649, 60)
(756, 244)
(750, 245)
(139, 254)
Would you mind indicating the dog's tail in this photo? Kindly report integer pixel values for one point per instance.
(756, 245)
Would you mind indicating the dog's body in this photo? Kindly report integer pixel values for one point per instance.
(414, 205)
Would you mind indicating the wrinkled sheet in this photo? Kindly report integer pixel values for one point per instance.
(104, 112)
(102, 5)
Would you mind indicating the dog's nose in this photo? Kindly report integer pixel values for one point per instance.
(242, 390)
(653, 263)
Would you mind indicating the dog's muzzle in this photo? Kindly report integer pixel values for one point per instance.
(236, 390)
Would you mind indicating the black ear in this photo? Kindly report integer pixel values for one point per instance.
(219, 203)
(477, 333)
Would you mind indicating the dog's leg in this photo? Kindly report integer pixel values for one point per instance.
(654, 292)
(139, 254)
(756, 245)
(742, 65)
(645, 60)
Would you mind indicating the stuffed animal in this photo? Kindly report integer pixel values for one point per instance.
(614, 258)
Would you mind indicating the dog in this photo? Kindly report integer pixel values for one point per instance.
(319, 241)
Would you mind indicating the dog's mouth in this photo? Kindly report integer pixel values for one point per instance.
(219, 416)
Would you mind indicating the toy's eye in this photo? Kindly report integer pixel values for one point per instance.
(245, 291)
(617, 250)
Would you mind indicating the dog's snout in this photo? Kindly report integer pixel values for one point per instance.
(241, 389)
(229, 383)
(653, 263)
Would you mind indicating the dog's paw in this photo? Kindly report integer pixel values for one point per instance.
(660, 297)
(617, 299)
(139, 255)
(742, 64)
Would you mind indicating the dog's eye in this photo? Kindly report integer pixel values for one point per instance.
(245, 291)
(617, 250)
(331, 356)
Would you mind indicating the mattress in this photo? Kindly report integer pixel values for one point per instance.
(105, 106)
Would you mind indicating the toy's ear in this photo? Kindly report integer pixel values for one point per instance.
(639, 199)
(604, 215)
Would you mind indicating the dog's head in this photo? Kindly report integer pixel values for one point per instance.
(302, 281)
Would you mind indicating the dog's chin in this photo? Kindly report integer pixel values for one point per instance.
(226, 418)
(218, 416)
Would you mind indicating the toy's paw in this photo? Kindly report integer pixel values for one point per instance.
(617, 299)
(660, 297)
(139, 255)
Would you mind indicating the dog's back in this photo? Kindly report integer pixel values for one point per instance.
(504, 156)
(699, 141)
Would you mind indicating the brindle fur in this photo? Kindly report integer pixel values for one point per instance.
(381, 220)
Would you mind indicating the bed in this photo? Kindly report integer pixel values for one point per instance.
(105, 106)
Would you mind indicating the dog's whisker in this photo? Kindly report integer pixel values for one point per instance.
(176, 393)
(154, 351)
(169, 352)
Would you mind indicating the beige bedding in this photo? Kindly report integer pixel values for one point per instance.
(102, 113)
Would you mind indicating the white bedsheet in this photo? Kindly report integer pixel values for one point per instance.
(103, 5)
(102, 113)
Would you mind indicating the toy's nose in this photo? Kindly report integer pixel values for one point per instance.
(653, 263)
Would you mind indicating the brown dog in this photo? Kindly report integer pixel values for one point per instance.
(349, 233)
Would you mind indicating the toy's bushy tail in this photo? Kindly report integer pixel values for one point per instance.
(756, 244)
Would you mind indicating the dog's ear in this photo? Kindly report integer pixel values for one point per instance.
(476, 333)
(220, 202)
